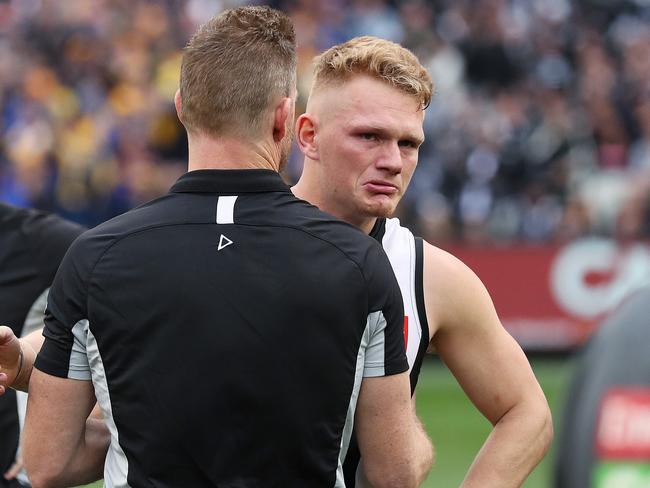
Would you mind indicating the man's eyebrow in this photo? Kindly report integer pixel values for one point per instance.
(368, 126)
(419, 140)
(363, 125)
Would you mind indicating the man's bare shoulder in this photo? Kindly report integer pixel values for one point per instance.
(445, 263)
(448, 277)
(455, 296)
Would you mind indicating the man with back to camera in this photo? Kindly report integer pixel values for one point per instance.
(360, 137)
(280, 348)
(32, 244)
(358, 171)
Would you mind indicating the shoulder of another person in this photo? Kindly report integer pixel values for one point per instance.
(51, 234)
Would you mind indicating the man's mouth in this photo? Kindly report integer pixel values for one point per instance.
(381, 187)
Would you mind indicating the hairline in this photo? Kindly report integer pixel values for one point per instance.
(341, 79)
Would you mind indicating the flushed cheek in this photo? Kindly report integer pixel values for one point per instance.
(409, 169)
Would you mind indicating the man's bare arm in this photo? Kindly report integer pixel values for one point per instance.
(395, 450)
(62, 446)
(15, 370)
(492, 370)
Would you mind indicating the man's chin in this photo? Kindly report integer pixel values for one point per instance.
(380, 210)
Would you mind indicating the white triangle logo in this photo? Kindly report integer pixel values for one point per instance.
(223, 242)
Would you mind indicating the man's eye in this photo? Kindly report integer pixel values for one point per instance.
(411, 144)
(368, 136)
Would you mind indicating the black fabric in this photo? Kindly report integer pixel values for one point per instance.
(422, 313)
(352, 460)
(229, 367)
(32, 244)
(378, 230)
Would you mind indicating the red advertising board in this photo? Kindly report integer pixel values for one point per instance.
(551, 298)
(623, 429)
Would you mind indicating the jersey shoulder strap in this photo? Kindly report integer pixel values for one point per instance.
(406, 255)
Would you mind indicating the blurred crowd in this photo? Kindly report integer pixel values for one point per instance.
(539, 130)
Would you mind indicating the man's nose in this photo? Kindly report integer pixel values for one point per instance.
(391, 158)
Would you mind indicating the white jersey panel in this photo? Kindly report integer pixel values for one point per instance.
(399, 244)
(358, 377)
(116, 466)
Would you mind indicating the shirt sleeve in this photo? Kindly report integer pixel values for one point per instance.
(66, 322)
(384, 335)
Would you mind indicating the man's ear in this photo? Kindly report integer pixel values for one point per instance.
(306, 127)
(178, 104)
(281, 115)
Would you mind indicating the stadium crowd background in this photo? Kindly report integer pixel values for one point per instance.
(539, 131)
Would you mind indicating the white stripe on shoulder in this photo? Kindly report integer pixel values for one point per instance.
(226, 209)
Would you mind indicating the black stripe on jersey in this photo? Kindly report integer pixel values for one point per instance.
(352, 460)
(378, 230)
(422, 312)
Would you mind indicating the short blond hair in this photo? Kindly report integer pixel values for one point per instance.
(233, 68)
(378, 58)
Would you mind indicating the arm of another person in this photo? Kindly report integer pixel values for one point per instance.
(492, 370)
(14, 370)
(17, 373)
(96, 436)
(62, 446)
(395, 450)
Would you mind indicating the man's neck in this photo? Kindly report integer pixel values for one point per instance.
(228, 153)
(306, 190)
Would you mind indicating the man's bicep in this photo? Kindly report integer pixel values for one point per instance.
(62, 401)
(494, 373)
(485, 359)
(57, 410)
(383, 419)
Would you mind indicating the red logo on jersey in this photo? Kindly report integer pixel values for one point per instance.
(406, 331)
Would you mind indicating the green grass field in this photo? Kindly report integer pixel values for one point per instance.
(458, 430)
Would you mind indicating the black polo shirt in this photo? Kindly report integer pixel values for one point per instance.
(227, 327)
(32, 244)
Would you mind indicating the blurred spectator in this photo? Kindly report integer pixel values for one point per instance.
(539, 132)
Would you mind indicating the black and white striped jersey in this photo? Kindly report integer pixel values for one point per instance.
(226, 327)
(405, 253)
